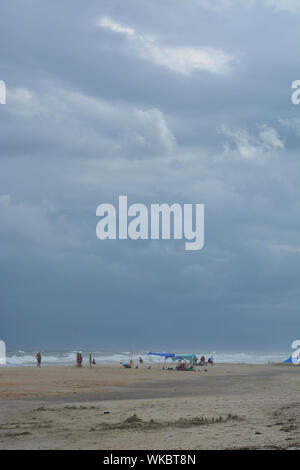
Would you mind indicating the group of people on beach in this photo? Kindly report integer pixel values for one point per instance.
(203, 362)
(183, 365)
(129, 365)
(79, 359)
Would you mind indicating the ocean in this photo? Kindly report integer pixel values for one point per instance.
(27, 358)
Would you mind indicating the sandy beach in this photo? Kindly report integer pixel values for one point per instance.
(230, 406)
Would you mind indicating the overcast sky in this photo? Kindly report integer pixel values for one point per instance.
(163, 101)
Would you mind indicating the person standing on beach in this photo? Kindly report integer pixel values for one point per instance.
(211, 360)
(38, 359)
(90, 359)
(79, 359)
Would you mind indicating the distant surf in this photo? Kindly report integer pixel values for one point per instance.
(27, 358)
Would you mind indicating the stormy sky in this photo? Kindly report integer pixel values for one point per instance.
(162, 101)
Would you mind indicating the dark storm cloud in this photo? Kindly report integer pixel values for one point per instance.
(165, 103)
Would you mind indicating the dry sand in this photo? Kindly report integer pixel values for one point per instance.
(108, 407)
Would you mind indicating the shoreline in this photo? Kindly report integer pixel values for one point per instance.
(109, 357)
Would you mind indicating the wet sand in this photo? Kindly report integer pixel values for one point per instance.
(108, 407)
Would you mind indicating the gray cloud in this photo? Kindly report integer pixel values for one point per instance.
(182, 60)
(142, 106)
